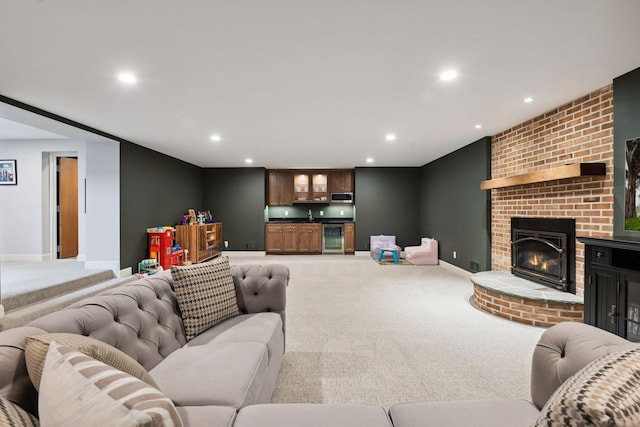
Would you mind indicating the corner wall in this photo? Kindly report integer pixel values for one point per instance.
(454, 210)
(579, 131)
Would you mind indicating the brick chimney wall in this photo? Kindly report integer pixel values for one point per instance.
(579, 131)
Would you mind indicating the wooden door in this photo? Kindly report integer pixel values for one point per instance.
(349, 238)
(290, 238)
(67, 207)
(274, 238)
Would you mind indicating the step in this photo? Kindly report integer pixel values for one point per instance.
(24, 315)
(12, 302)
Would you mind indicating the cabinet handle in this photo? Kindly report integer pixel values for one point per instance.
(613, 314)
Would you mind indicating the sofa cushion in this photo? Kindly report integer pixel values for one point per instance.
(224, 374)
(265, 328)
(205, 293)
(78, 390)
(312, 415)
(14, 416)
(606, 392)
(464, 413)
(37, 347)
(210, 416)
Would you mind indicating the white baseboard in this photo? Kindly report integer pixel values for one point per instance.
(246, 253)
(25, 257)
(103, 265)
(1, 311)
(455, 269)
(125, 272)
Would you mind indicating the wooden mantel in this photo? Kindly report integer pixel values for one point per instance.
(560, 172)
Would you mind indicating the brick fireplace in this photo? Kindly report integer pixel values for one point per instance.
(579, 131)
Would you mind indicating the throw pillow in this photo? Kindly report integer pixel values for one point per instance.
(77, 390)
(205, 293)
(606, 392)
(36, 348)
(14, 416)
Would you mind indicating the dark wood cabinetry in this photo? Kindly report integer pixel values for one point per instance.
(349, 238)
(341, 181)
(280, 189)
(310, 188)
(203, 241)
(288, 187)
(293, 238)
(310, 238)
(612, 286)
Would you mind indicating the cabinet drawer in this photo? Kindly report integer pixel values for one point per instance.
(601, 255)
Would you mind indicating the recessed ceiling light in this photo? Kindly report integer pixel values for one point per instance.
(390, 137)
(448, 75)
(248, 161)
(128, 78)
(478, 126)
(369, 160)
(528, 99)
(216, 138)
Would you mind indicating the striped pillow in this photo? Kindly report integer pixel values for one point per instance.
(76, 390)
(606, 392)
(205, 293)
(36, 348)
(11, 415)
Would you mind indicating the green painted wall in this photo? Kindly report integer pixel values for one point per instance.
(626, 114)
(155, 189)
(387, 202)
(454, 210)
(236, 197)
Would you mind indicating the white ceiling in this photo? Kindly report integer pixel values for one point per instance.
(300, 83)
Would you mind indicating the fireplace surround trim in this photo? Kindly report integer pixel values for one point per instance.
(563, 229)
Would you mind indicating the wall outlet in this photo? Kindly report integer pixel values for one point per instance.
(321, 213)
(455, 255)
(226, 243)
(286, 213)
(342, 213)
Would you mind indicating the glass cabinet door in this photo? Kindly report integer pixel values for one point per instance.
(631, 284)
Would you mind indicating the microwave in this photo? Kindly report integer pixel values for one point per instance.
(342, 197)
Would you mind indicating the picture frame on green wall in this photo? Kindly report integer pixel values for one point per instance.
(632, 185)
(8, 172)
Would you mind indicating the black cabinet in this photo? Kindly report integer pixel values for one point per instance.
(612, 286)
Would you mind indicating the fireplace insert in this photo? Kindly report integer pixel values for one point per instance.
(543, 250)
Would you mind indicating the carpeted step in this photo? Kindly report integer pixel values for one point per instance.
(13, 302)
(25, 314)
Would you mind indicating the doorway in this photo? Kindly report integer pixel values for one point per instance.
(66, 207)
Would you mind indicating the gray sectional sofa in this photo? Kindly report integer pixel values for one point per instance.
(226, 375)
(227, 367)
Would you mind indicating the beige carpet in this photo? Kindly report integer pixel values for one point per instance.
(361, 332)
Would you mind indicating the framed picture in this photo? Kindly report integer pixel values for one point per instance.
(632, 187)
(8, 172)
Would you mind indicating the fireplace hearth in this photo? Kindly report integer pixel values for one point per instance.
(543, 250)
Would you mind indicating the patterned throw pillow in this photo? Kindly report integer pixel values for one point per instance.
(606, 392)
(205, 293)
(12, 415)
(36, 348)
(77, 390)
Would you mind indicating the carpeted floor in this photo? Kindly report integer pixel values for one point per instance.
(361, 332)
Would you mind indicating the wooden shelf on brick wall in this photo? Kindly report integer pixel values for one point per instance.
(560, 172)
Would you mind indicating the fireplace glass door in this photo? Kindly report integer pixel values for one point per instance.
(540, 256)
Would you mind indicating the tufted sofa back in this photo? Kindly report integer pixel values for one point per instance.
(261, 288)
(563, 350)
(140, 318)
